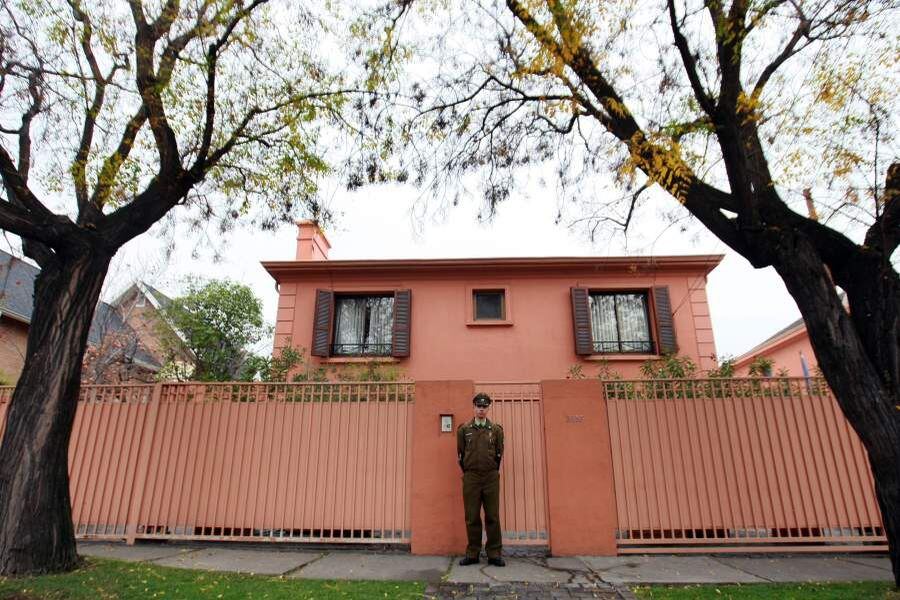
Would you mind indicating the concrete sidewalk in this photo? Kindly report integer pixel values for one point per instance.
(523, 577)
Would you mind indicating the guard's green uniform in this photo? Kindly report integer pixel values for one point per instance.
(480, 449)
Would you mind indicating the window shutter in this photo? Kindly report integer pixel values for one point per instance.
(322, 320)
(664, 321)
(581, 315)
(401, 326)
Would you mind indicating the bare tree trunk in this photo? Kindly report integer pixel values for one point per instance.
(864, 390)
(885, 463)
(36, 531)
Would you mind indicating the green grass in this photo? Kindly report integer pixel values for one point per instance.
(101, 579)
(868, 590)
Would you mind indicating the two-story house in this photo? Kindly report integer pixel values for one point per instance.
(493, 319)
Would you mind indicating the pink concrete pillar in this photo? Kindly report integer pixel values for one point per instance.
(436, 510)
(579, 469)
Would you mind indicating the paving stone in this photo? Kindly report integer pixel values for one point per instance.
(567, 563)
(123, 551)
(468, 574)
(666, 569)
(354, 565)
(879, 562)
(807, 568)
(517, 569)
(262, 562)
(516, 591)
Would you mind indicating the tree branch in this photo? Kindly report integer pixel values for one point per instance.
(19, 193)
(212, 59)
(20, 222)
(690, 65)
(884, 234)
(148, 84)
(88, 212)
(24, 215)
(729, 35)
(788, 51)
(660, 164)
(114, 161)
(110, 169)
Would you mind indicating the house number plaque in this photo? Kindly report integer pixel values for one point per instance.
(574, 418)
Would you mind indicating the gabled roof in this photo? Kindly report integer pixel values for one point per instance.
(157, 299)
(17, 302)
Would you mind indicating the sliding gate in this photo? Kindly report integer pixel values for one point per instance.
(300, 462)
(523, 474)
(738, 465)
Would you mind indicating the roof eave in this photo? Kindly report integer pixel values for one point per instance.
(15, 316)
(702, 263)
(770, 345)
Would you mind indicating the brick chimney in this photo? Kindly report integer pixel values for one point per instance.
(311, 242)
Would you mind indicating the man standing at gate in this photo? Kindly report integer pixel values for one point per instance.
(479, 446)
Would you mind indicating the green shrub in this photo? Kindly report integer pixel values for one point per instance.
(670, 366)
(761, 366)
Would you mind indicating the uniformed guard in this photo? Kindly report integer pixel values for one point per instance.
(479, 446)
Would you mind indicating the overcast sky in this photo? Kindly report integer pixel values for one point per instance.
(391, 221)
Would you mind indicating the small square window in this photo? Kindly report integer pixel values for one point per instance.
(489, 305)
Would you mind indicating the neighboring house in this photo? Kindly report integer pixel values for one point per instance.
(493, 319)
(788, 349)
(141, 307)
(115, 353)
(16, 289)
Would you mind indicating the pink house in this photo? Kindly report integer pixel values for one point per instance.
(788, 349)
(498, 319)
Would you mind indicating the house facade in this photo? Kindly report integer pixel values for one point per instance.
(789, 351)
(116, 352)
(493, 319)
(141, 307)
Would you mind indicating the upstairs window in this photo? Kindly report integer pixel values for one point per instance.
(363, 325)
(489, 305)
(620, 323)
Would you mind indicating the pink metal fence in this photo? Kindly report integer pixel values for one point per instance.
(104, 457)
(698, 465)
(523, 474)
(248, 462)
(743, 464)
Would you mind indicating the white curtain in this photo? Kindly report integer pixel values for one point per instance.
(619, 323)
(363, 325)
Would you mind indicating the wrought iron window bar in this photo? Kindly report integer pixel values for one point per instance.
(625, 347)
(361, 349)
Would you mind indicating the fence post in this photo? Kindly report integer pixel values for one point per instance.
(143, 465)
(580, 490)
(436, 509)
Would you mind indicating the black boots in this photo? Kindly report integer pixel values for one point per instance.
(494, 562)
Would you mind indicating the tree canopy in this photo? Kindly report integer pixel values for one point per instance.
(771, 122)
(219, 323)
(112, 114)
